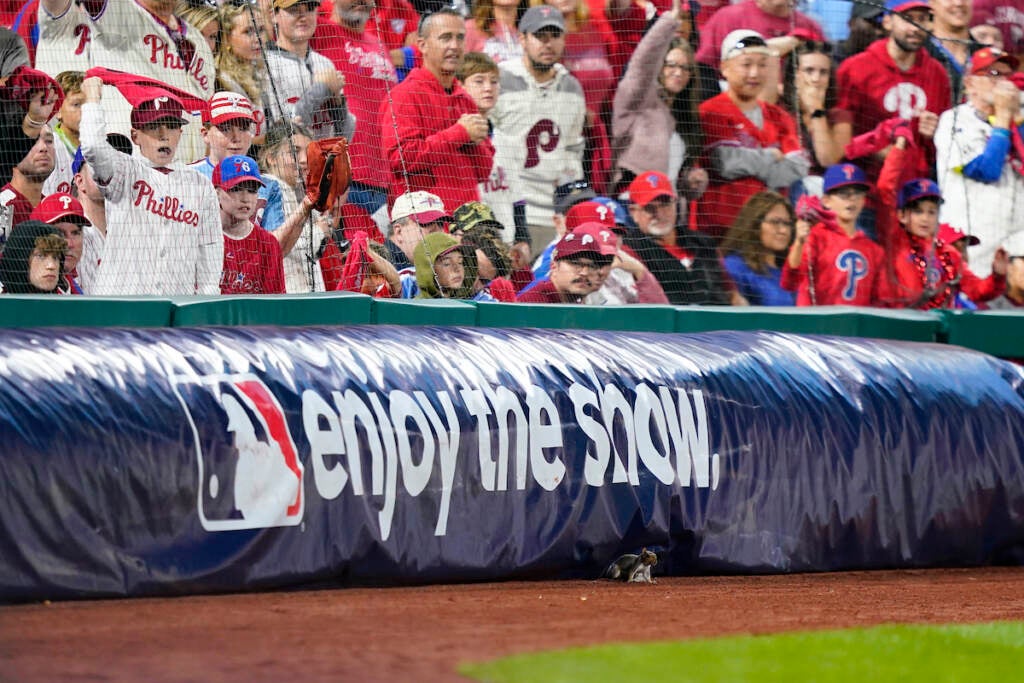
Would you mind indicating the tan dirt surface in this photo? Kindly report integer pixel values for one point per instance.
(421, 634)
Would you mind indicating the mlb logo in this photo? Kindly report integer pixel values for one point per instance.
(249, 472)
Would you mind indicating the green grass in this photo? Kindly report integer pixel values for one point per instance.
(975, 652)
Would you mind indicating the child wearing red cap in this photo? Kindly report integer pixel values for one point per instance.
(252, 256)
(922, 271)
(163, 223)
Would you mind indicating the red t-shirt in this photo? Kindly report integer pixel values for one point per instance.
(543, 292)
(396, 19)
(20, 204)
(588, 53)
(368, 77)
(252, 264)
(749, 16)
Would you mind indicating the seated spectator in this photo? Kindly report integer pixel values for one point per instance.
(492, 29)
(751, 145)
(163, 225)
(240, 65)
(1008, 17)
(977, 161)
(566, 196)
(684, 262)
(1013, 299)
(413, 216)
(446, 269)
(579, 263)
(921, 271)
(252, 257)
(33, 259)
(27, 101)
(205, 19)
(228, 131)
(809, 93)
(831, 262)
(988, 35)
(654, 121)
(494, 265)
(501, 191)
(25, 190)
(956, 239)
(65, 132)
(65, 213)
(755, 248)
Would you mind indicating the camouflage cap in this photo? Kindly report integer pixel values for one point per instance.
(472, 214)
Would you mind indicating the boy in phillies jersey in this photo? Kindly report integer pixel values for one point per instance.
(833, 262)
(163, 224)
(252, 257)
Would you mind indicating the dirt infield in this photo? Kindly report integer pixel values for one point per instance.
(420, 634)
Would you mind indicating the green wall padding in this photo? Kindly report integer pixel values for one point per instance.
(423, 312)
(81, 311)
(329, 308)
(638, 318)
(1000, 333)
(843, 321)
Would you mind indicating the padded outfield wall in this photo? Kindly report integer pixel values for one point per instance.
(162, 461)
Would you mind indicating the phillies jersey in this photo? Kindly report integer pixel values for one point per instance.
(62, 177)
(369, 75)
(163, 226)
(127, 37)
(836, 269)
(63, 41)
(538, 134)
(252, 264)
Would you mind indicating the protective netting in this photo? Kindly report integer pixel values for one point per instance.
(761, 152)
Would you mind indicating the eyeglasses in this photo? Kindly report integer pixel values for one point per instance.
(779, 222)
(672, 66)
(995, 73)
(579, 265)
(656, 205)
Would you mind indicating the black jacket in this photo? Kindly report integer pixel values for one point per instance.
(703, 282)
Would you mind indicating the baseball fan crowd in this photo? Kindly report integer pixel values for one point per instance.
(759, 152)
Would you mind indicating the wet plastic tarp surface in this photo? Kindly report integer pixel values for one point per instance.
(165, 461)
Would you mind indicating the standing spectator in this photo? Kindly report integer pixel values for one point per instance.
(27, 101)
(65, 213)
(492, 29)
(751, 145)
(240, 65)
(988, 35)
(65, 132)
(921, 271)
(1013, 299)
(895, 77)
(654, 122)
(501, 191)
(163, 225)
(539, 117)
(228, 131)
(307, 87)
(362, 59)
(252, 257)
(951, 42)
(755, 248)
(773, 20)
(432, 134)
(33, 259)
(205, 18)
(62, 39)
(93, 204)
(865, 28)
(1008, 17)
(810, 95)
(685, 262)
(831, 262)
(148, 39)
(579, 263)
(978, 166)
(25, 190)
(589, 47)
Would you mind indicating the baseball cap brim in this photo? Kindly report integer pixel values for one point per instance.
(69, 218)
(896, 8)
(238, 180)
(234, 116)
(849, 183)
(429, 216)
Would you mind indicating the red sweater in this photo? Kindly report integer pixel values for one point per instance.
(426, 148)
(836, 269)
(922, 273)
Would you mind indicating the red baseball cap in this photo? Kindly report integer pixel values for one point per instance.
(589, 212)
(229, 106)
(983, 59)
(60, 207)
(587, 238)
(950, 235)
(152, 105)
(650, 185)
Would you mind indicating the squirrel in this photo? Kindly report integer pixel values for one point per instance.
(633, 568)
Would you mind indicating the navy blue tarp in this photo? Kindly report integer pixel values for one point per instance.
(146, 462)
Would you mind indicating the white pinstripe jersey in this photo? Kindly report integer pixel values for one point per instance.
(163, 227)
(63, 41)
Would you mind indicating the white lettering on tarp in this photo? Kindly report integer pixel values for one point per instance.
(660, 430)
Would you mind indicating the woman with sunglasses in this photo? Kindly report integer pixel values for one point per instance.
(654, 120)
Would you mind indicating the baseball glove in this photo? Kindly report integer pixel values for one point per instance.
(329, 171)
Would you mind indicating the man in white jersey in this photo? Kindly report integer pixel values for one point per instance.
(64, 37)
(539, 117)
(163, 224)
(145, 37)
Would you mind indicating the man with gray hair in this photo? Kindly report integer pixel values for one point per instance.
(433, 136)
(414, 216)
